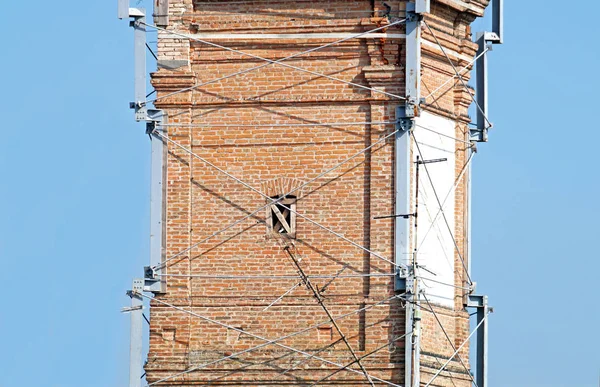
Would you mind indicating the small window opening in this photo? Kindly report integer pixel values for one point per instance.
(281, 216)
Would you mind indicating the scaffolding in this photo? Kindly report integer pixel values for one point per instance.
(407, 275)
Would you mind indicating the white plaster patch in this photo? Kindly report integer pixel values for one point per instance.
(436, 247)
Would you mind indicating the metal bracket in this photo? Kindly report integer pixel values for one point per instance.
(131, 308)
(405, 216)
(403, 281)
(403, 123)
(413, 16)
(153, 120)
(152, 282)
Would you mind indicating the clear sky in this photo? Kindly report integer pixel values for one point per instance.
(74, 199)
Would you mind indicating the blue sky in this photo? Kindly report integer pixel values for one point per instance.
(75, 204)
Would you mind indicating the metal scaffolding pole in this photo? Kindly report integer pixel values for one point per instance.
(135, 333)
(405, 258)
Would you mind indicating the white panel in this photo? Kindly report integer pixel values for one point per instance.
(436, 247)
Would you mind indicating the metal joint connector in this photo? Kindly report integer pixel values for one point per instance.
(136, 105)
(404, 124)
(150, 127)
(149, 273)
(413, 16)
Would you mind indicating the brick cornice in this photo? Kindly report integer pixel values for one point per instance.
(472, 7)
(166, 80)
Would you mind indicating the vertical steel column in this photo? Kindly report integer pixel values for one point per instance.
(154, 282)
(498, 20)
(482, 343)
(402, 195)
(405, 117)
(469, 217)
(485, 40)
(413, 60)
(154, 119)
(402, 252)
(123, 9)
(481, 358)
(139, 104)
(482, 90)
(136, 334)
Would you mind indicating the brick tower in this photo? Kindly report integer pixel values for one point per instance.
(285, 261)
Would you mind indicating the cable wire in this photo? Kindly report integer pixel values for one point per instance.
(287, 247)
(268, 342)
(444, 135)
(437, 198)
(456, 352)
(277, 125)
(361, 358)
(458, 75)
(268, 277)
(278, 61)
(453, 188)
(460, 72)
(274, 201)
(449, 340)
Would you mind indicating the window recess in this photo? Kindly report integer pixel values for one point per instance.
(279, 217)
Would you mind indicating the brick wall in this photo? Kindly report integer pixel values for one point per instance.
(227, 123)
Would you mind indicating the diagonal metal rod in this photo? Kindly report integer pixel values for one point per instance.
(437, 358)
(449, 340)
(456, 352)
(437, 198)
(336, 276)
(307, 359)
(460, 73)
(338, 340)
(248, 364)
(319, 299)
(283, 295)
(292, 368)
(335, 342)
(273, 201)
(361, 358)
(166, 138)
(444, 135)
(457, 74)
(267, 341)
(278, 61)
